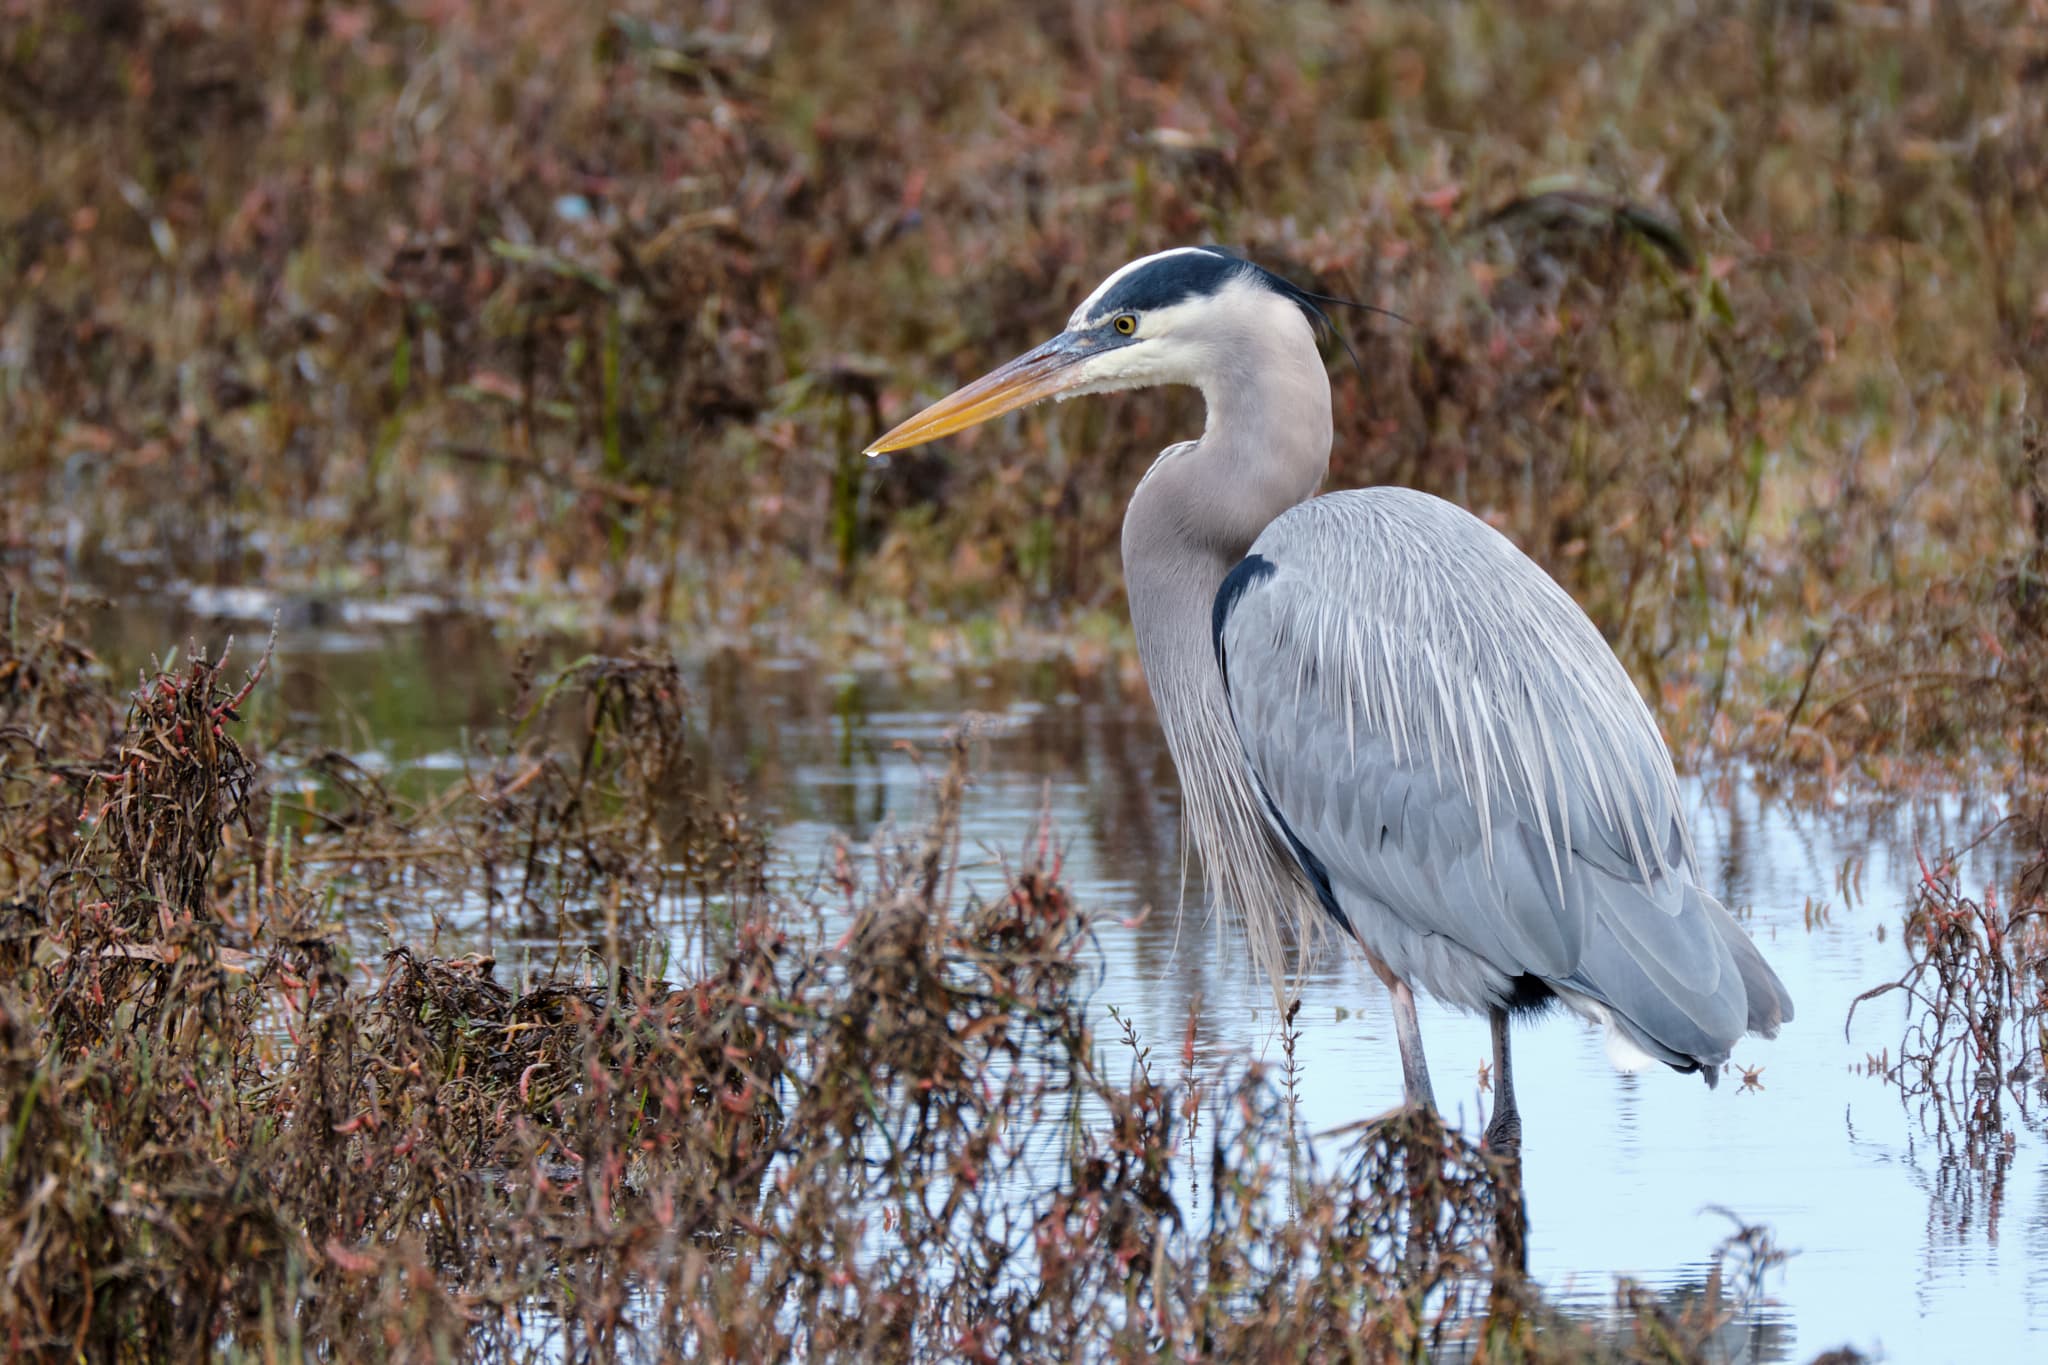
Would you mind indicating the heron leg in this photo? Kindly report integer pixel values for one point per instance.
(1408, 1033)
(1414, 1069)
(1504, 1132)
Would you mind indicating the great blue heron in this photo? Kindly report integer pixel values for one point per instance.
(1385, 716)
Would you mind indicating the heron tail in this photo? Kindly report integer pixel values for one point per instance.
(1770, 1005)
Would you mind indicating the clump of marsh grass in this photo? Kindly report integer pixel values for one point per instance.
(127, 1027)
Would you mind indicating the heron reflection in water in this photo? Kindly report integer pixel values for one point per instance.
(1386, 718)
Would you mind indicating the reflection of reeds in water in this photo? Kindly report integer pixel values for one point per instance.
(1977, 992)
(1971, 1055)
(903, 1143)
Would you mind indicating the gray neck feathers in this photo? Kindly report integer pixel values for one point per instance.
(1266, 447)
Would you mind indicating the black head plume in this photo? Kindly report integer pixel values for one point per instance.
(1308, 301)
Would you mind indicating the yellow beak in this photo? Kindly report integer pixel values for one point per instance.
(1045, 372)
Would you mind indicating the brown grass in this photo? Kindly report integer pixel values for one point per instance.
(1729, 316)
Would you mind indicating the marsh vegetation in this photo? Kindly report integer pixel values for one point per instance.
(576, 318)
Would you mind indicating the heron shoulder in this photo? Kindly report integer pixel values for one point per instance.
(1389, 524)
(1429, 565)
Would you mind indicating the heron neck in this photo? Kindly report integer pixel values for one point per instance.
(1266, 442)
(1265, 448)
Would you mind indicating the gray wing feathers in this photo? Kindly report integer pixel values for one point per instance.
(1445, 730)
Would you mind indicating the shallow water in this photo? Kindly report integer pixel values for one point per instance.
(1897, 1251)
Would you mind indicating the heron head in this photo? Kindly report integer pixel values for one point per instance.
(1177, 317)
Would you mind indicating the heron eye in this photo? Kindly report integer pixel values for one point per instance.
(1125, 324)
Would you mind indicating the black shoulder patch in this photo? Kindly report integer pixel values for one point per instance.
(1251, 571)
(1172, 279)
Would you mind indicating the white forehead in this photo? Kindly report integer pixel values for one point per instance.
(1094, 300)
